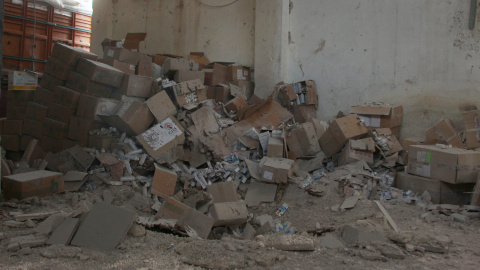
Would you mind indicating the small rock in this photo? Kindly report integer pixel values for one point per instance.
(371, 256)
(13, 246)
(68, 251)
(48, 253)
(266, 260)
(14, 224)
(291, 242)
(335, 208)
(409, 247)
(83, 257)
(137, 230)
(30, 223)
(25, 251)
(107, 196)
(229, 246)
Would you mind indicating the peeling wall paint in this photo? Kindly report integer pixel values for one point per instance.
(417, 53)
(181, 26)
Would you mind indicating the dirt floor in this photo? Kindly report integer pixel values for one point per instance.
(456, 245)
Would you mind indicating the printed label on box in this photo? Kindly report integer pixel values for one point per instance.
(110, 53)
(421, 156)
(132, 67)
(161, 134)
(423, 169)
(239, 73)
(267, 175)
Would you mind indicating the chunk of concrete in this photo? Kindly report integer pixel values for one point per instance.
(290, 242)
(64, 233)
(331, 242)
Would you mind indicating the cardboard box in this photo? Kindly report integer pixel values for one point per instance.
(82, 84)
(386, 141)
(187, 216)
(36, 111)
(131, 117)
(379, 116)
(220, 93)
(219, 74)
(451, 165)
(276, 170)
(101, 142)
(10, 143)
(132, 41)
(161, 106)
(411, 141)
(112, 43)
(229, 213)
(303, 141)
(79, 128)
(69, 143)
(32, 128)
(247, 87)
(164, 182)
(22, 80)
(100, 73)
(223, 192)
(12, 127)
(91, 107)
(16, 113)
(61, 113)
(199, 58)
(170, 65)
(189, 92)
(25, 141)
(236, 104)
(339, 132)
(356, 150)
(66, 97)
(144, 66)
(43, 96)
(440, 192)
(37, 183)
(57, 68)
(275, 147)
(304, 113)
(49, 82)
(136, 86)
(444, 132)
(70, 55)
(188, 75)
(162, 137)
(53, 145)
(19, 98)
(238, 73)
(121, 54)
(472, 129)
(124, 67)
(54, 129)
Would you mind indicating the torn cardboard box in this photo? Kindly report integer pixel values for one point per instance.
(120, 54)
(189, 92)
(276, 170)
(90, 107)
(132, 117)
(386, 141)
(223, 192)
(136, 86)
(99, 72)
(339, 132)
(472, 128)
(444, 132)
(164, 182)
(228, 213)
(379, 115)
(161, 106)
(356, 150)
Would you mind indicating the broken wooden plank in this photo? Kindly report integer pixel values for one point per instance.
(387, 216)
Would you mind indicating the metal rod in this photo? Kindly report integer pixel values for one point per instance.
(24, 59)
(47, 23)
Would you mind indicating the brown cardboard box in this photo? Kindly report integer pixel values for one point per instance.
(136, 86)
(132, 41)
(17, 98)
(276, 170)
(440, 192)
(170, 65)
(14, 112)
(187, 216)
(91, 107)
(164, 182)
(236, 104)
(411, 141)
(100, 73)
(78, 128)
(43, 96)
(339, 132)
(220, 93)
(101, 142)
(70, 55)
(386, 141)
(66, 97)
(356, 150)
(238, 73)
(51, 144)
(130, 117)
(304, 141)
(304, 113)
(451, 165)
(275, 147)
(25, 141)
(54, 129)
(124, 67)
(61, 113)
(145, 66)
(69, 143)
(112, 43)
(189, 92)
(57, 68)
(472, 129)
(161, 106)
(229, 213)
(320, 127)
(247, 87)
(379, 116)
(37, 183)
(10, 143)
(32, 128)
(82, 84)
(162, 137)
(199, 58)
(49, 82)
(188, 75)
(223, 192)
(121, 54)
(12, 127)
(445, 132)
(219, 74)
(159, 59)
